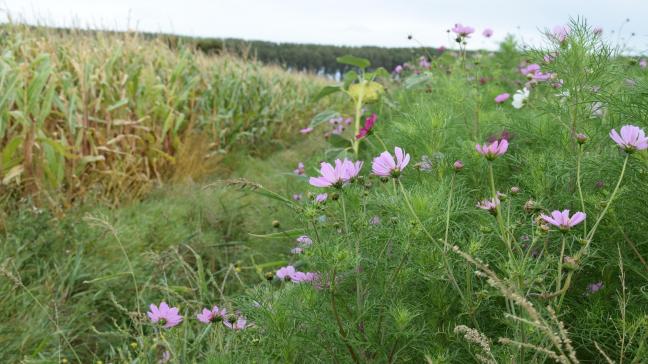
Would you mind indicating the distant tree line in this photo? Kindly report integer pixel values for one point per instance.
(312, 57)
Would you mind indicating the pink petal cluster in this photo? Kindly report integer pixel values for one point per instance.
(423, 62)
(502, 97)
(631, 138)
(343, 172)
(320, 198)
(462, 31)
(488, 33)
(561, 219)
(560, 33)
(493, 150)
(643, 63)
(304, 241)
(167, 316)
(236, 323)
(368, 125)
(289, 273)
(300, 169)
(214, 315)
(489, 205)
(386, 166)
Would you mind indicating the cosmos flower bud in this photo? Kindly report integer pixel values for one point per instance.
(458, 165)
(581, 138)
(275, 223)
(515, 190)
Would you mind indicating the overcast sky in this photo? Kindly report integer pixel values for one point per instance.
(341, 22)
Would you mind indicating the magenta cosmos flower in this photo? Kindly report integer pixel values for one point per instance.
(502, 97)
(386, 166)
(285, 272)
(489, 205)
(368, 125)
(462, 30)
(632, 138)
(343, 172)
(493, 150)
(562, 220)
(164, 315)
(214, 315)
(488, 33)
(236, 322)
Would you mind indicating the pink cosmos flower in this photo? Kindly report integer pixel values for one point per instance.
(423, 62)
(236, 322)
(530, 69)
(489, 205)
(375, 220)
(562, 219)
(463, 31)
(560, 33)
(632, 138)
(369, 123)
(167, 316)
(643, 63)
(299, 277)
(493, 150)
(398, 69)
(458, 165)
(285, 272)
(598, 31)
(594, 287)
(300, 169)
(385, 166)
(501, 98)
(305, 240)
(343, 172)
(306, 130)
(320, 198)
(214, 315)
(488, 33)
(297, 197)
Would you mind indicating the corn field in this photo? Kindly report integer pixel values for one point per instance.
(111, 115)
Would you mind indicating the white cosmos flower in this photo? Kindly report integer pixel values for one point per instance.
(520, 97)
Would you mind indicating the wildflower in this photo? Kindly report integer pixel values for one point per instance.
(214, 315)
(598, 31)
(594, 287)
(343, 172)
(530, 206)
(631, 139)
(385, 165)
(299, 277)
(458, 165)
(297, 197)
(599, 184)
(502, 97)
(398, 69)
(560, 33)
(581, 138)
(520, 98)
(643, 63)
(493, 150)
(530, 70)
(425, 164)
(423, 62)
(166, 357)
(305, 240)
(286, 272)
(375, 220)
(562, 219)
(463, 31)
(489, 205)
(300, 169)
(487, 33)
(369, 123)
(515, 190)
(321, 198)
(166, 316)
(236, 322)
(306, 130)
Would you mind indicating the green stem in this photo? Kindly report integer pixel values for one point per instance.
(358, 114)
(607, 205)
(447, 227)
(560, 264)
(498, 215)
(578, 183)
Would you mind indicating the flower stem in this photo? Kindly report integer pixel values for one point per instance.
(590, 235)
(560, 264)
(447, 227)
(578, 183)
(498, 216)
